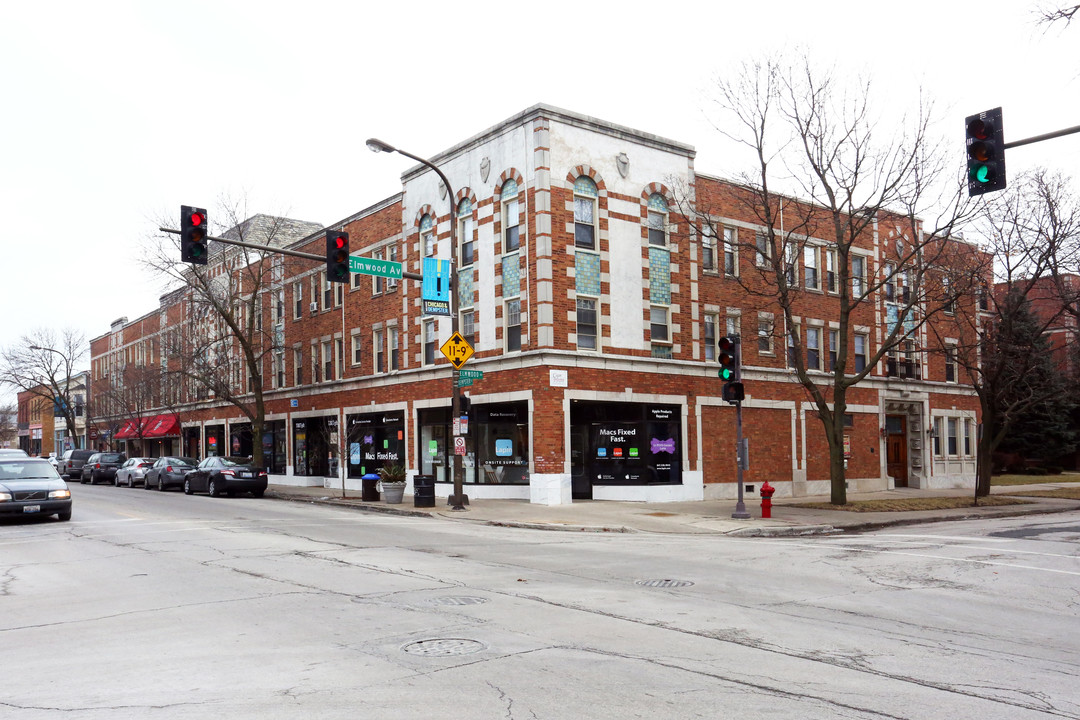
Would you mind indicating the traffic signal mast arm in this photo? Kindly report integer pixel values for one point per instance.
(283, 251)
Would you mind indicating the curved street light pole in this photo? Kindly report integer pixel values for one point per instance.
(458, 500)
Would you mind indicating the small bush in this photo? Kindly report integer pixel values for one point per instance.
(1054, 469)
(1036, 471)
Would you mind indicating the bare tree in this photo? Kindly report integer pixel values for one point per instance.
(8, 424)
(1050, 14)
(231, 312)
(134, 394)
(1031, 230)
(858, 179)
(45, 365)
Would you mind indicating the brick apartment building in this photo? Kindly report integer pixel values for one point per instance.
(594, 311)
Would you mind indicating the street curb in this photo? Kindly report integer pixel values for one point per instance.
(554, 526)
(338, 502)
(792, 531)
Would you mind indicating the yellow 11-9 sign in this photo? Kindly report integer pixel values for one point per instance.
(457, 350)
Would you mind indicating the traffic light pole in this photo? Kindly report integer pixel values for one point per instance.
(1044, 136)
(740, 507)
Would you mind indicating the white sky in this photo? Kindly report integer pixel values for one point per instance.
(104, 102)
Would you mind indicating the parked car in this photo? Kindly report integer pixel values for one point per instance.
(168, 472)
(71, 464)
(226, 475)
(102, 466)
(133, 472)
(30, 487)
(12, 452)
(53, 460)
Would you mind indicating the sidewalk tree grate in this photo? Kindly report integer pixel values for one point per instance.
(664, 583)
(456, 600)
(444, 647)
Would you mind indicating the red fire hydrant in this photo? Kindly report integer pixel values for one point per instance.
(767, 491)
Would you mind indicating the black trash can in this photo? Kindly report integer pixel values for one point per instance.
(370, 488)
(424, 491)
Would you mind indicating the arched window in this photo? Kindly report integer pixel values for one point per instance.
(466, 242)
(427, 236)
(657, 220)
(510, 216)
(585, 195)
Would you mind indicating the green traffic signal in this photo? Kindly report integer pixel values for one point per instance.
(985, 143)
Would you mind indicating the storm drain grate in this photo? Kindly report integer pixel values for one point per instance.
(444, 647)
(457, 600)
(665, 583)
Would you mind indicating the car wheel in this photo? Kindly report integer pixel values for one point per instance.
(211, 488)
(83, 480)
(115, 481)
(258, 493)
(146, 483)
(63, 516)
(187, 487)
(160, 484)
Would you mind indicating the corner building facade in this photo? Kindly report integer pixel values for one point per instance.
(594, 311)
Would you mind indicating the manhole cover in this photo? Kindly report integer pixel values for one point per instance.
(665, 583)
(444, 647)
(457, 600)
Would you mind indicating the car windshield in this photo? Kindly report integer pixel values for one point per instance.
(26, 470)
(111, 457)
(233, 461)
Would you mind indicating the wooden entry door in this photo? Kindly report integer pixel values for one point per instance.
(896, 454)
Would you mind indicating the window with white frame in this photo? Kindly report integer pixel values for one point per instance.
(468, 326)
(327, 361)
(831, 279)
(791, 264)
(339, 358)
(938, 435)
(948, 300)
(585, 197)
(511, 217)
(862, 345)
(658, 324)
(378, 282)
(951, 437)
(763, 252)
(890, 282)
(791, 333)
(512, 314)
(298, 366)
(328, 291)
(834, 347)
(656, 220)
(731, 252)
(813, 348)
(392, 256)
(811, 277)
(858, 276)
(395, 358)
(765, 335)
(315, 367)
(969, 437)
(951, 374)
(298, 300)
(357, 348)
(708, 250)
(429, 342)
(427, 236)
(586, 323)
(279, 369)
(709, 336)
(466, 239)
(378, 351)
(731, 324)
(315, 287)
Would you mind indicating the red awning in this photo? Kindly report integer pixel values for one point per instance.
(158, 426)
(127, 431)
(162, 426)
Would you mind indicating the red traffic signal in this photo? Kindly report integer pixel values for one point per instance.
(337, 256)
(193, 247)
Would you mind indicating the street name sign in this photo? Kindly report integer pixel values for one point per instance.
(471, 374)
(371, 266)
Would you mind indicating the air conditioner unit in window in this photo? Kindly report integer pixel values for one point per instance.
(314, 307)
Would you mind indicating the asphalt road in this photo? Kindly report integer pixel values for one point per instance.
(160, 605)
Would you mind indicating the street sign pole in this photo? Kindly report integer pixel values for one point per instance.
(740, 507)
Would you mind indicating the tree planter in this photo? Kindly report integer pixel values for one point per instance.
(392, 492)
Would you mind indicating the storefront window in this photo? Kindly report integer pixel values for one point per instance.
(432, 450)
(215, 441)
(375, 440)
(315, 446)
(502, 443)
(625, 444)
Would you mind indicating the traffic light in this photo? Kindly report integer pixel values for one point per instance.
(729, 358)
(985, 152)
(337, 256)
(193, 235)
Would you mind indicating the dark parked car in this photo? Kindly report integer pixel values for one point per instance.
(31, 487)
(102, 466)
(228, 475)
(71, 464)
(168, 472)
(133, 472)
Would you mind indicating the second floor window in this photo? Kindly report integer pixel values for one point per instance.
(427, 236)
(858, 276)
(861, 346)
(657, 220)
(813, 348)
(511, 217)
(810, 268)
(377, 347)
(394, 358)
(950, 363)
(513, 325)
(429, 342)
(466, 241)
(710, 338)
(586, 323)
(831, 280)
(298, 300)
(730, 255)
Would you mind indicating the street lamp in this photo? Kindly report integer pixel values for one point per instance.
(457, 502)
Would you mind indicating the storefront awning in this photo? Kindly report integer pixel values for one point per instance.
(158, 426)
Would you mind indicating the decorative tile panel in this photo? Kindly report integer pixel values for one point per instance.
(587, 273)
(511, 276)
(659, 276)
(464, 208)
(426, 223)
(585, 186)
(509, 190)
(465, 288)
(657, 203)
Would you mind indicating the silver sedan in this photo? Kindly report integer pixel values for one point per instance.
(133, 472)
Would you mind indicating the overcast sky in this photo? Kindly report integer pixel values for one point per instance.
(116, 113)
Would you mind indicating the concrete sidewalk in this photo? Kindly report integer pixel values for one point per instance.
(706, 517)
